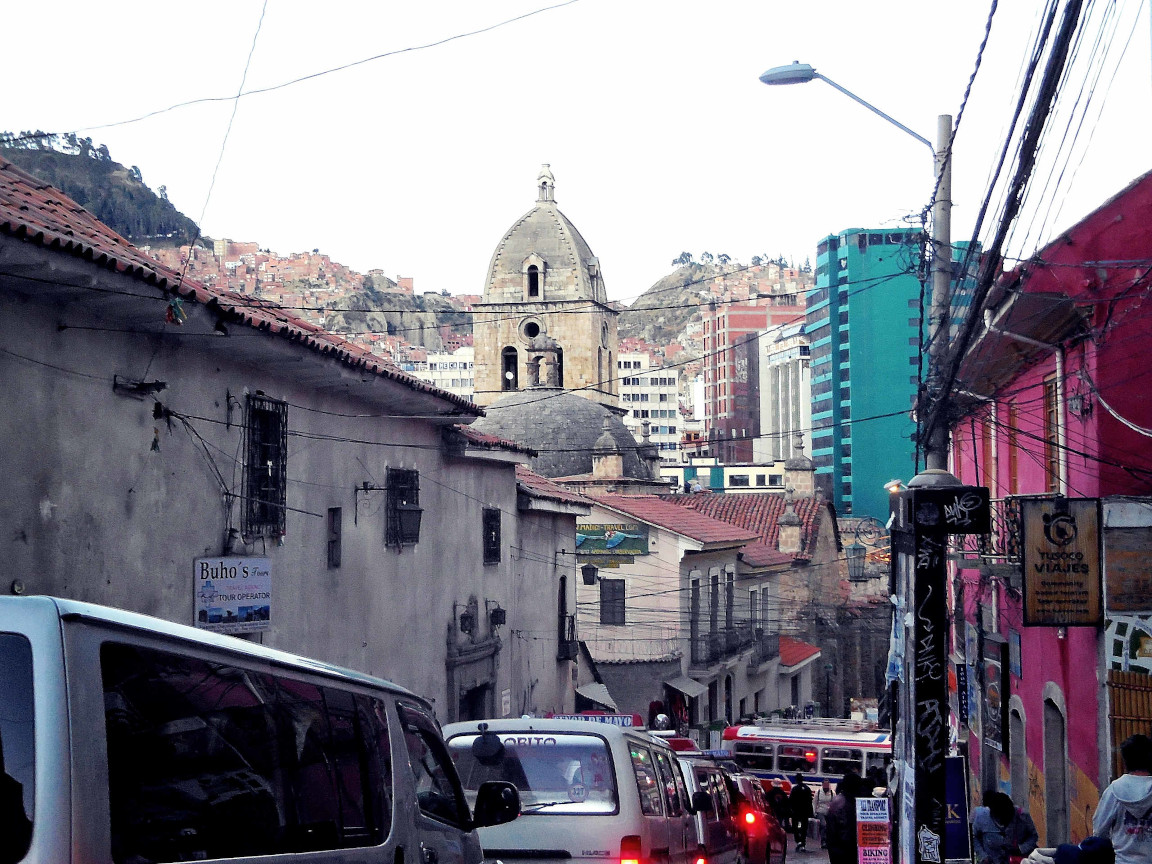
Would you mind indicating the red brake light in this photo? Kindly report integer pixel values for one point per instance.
(810, 755)
(749, 817)
(630, 849)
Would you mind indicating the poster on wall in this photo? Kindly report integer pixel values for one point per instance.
(1128, 585)
(233, 595)
(873, 831)
(956, 838)
(995, 696)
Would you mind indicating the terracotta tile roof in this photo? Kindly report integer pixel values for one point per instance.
(760, 513)
(536, 486)
(477, 438)
(36, 212)
(763, 555)
(656, 510)
(794, 652)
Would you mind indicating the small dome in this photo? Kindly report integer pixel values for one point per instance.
(563, 427)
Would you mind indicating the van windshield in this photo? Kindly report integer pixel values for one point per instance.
(17, 748)
(555, 773)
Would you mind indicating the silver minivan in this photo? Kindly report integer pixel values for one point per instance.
(591, 792)
(126, 739)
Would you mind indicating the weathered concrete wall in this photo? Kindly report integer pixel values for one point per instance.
(105, 503)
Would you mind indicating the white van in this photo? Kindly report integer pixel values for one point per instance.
(590, 791)
(126, 739)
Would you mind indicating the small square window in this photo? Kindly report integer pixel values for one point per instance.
(611, 601)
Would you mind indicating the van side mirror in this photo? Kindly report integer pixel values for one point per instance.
(701, 802)
(497, 802)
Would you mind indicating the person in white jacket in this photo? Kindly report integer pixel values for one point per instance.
(1124, 814)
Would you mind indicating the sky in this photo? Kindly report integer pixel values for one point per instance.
(650, 112)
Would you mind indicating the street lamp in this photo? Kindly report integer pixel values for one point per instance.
(936, 447)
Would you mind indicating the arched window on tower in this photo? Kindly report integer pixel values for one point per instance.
(533, 281)
(599, 368)
(509, 369)
(559, 367)
(612, 376)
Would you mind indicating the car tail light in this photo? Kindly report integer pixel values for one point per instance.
(701, 857)
(749, 818)
(630, 849)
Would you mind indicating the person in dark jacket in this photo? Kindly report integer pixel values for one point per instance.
(1001, 832)
(778, 801)
(800, 805)
(841, 821)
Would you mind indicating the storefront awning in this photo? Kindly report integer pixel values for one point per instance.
(687, 686)
(598, 693)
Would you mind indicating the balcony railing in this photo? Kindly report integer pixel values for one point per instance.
(714, 646)
(567, 647)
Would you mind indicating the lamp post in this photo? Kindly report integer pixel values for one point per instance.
(936, 448)
(933, 506)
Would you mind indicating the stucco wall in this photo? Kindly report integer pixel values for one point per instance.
(103, 502)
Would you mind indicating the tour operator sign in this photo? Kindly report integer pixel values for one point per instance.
(1060, 548)
(233, 595)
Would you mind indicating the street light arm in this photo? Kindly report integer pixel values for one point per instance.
(876, 110)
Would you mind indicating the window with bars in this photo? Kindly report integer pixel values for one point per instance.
(611, 601)
(335, 526)
(491, 535)
(265, 466)
(402, 507)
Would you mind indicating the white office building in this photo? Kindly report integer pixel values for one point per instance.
(651, 393)
(785, 393)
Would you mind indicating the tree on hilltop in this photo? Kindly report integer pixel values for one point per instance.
(683, 260)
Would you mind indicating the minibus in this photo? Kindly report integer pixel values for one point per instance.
(126, 739)
(591, 791)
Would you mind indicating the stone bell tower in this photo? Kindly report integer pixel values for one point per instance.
(544, 281)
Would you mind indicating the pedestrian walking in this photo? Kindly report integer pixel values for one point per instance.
(841, 821)
(800, 807)
(1002, 833)
(1124, 814)
(820, 803)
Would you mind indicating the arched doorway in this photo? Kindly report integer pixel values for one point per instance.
(1055, 774)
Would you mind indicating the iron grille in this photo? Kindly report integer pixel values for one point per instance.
(402, 519)
(266, 467)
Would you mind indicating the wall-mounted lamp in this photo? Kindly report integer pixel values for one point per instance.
(589, 572)
(497, 615)
(467, 622)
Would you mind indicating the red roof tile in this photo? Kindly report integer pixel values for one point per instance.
(655, 509)
(36, 212)
(794, 652)
(541, 487)
(491, 442)
(760, 513)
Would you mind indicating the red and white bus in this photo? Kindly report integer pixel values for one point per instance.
(776, 749)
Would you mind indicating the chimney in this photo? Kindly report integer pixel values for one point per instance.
(788, 537)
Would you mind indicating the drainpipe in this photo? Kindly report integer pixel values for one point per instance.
(1061, 415)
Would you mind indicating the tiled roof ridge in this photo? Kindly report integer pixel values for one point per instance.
(491, 442)
(656, 510)
(756, 511)
(76, 231)
(540, 486)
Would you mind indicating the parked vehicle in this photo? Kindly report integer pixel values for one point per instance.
(764, 837)
(590, 791)
(719, 840)
(127, 739)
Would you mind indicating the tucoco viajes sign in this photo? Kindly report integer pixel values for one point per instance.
(1060, 553)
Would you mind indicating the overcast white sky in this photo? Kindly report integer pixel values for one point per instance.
(650, 113)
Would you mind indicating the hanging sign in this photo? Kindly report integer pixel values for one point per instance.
(1060, 549)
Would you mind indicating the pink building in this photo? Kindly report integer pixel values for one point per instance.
(1056, 421)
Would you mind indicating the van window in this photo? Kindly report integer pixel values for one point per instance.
(673, 785)
(17, 746)
(557, 774)
(840, 760)
(209, 760)
(647, 784)
(437, 786)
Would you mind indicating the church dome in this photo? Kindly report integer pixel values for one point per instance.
(563, 427)
(544, 239)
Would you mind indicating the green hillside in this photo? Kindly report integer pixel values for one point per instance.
(87, 174)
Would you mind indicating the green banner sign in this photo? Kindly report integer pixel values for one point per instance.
(620, 538)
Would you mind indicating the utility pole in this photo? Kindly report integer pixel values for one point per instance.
(936, 447)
